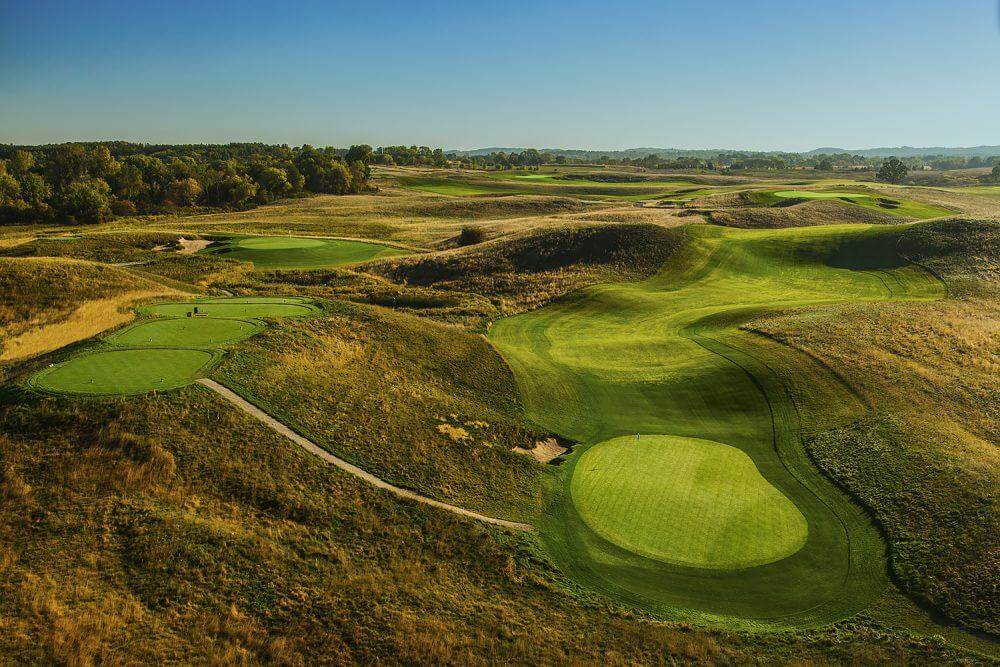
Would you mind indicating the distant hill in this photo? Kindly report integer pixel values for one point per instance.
(899, 151)
(910, 151)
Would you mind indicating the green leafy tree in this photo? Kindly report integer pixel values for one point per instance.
(185, 192)
(86, 201)
(995, 174)
(892, 171)
(826, 164)
(21, 162)
(359, 153)
(35, 191)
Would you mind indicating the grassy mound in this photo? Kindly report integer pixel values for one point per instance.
(664, 356)
(807, 214)
(924, 458)
(124, 371)
(185, 332)
(282, 252)
(532, 268)
(46, 303)
(685, 501)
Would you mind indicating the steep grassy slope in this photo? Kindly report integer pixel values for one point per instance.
(421, 405)
(46, 303)
(926, 457)
(177, 529)
(527, 270)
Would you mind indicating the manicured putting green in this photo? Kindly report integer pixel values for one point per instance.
(232, 308)
(686, 501)
(298, 252)
(125, 371)
(186, 332)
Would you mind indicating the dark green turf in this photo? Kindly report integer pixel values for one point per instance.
(665, 356)
(168, 352)
(293, 252)
(128, 371)
(185, 332)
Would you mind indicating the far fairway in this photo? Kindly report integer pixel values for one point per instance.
(686, 501)
(125, 371)
(298, 252)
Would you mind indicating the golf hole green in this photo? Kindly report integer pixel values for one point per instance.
(298, 252)
(685, 501)
(279, 243)
(248, 307)
(132, 371)
(185, 332)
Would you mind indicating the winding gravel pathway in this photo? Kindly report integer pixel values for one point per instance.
(313, 448)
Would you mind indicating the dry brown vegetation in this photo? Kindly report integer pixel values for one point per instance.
(818, 212)
(177, 529)
(524, 271)
(926, 459)
(46, 303)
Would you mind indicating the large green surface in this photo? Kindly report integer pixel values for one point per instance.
(236, 307)
(185, 332)
(685, 501)
(131, 371)
(665, 356)
(908, 208)
(290, 252)
(167, 352)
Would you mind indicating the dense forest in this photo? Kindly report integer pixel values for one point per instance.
(94, 182)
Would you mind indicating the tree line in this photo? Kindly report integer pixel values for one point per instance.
(94, 182)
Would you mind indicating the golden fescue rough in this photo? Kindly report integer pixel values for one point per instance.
(47, 303)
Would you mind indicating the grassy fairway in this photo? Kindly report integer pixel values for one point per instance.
(902, 207)
(125, 371)
(290, 252)
(185, 332)
(665, 357)
(685, 501)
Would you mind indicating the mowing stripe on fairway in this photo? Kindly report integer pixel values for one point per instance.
(665, 356)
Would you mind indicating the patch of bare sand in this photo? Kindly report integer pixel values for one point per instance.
(544, 451)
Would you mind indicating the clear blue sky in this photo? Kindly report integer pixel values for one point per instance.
(767, 74)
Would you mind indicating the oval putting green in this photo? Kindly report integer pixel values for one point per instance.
(232, 308)
(685, 501)
(132, 371)
(298, 252)
(279, 243)
(185, 332)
